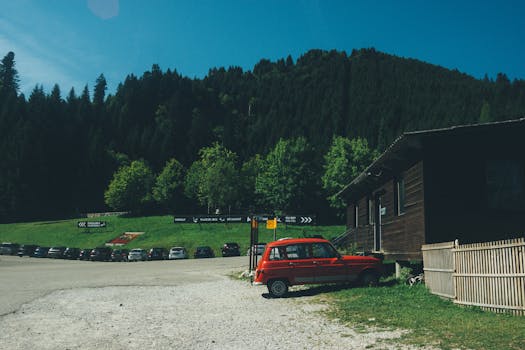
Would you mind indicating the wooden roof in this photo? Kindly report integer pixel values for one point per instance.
(408, 149)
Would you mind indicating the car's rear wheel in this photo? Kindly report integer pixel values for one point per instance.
(278, 288)
(369, 279)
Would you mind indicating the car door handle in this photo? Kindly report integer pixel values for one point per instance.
(291, 264)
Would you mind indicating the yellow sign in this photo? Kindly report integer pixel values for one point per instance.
(271, 224)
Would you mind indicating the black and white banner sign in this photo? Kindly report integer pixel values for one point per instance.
(208, 219)
(91, 224)
(219, 219)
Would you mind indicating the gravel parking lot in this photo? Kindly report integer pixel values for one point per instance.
(191, 304)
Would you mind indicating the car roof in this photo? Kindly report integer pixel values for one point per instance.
(297, 241)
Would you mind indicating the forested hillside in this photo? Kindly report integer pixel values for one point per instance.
(60, 151)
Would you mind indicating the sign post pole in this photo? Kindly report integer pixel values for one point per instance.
(254, 239)
(271, 224)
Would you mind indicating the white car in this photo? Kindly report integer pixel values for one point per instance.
(137, 254)
(178, 253)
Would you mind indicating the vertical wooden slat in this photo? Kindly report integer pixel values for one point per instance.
(490, 275)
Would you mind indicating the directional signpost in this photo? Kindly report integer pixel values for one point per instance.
(86, 225)
(225, 219)
(91, 224)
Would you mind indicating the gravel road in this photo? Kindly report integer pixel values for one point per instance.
(192, 304)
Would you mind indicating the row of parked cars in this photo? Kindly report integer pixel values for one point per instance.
(109, 254)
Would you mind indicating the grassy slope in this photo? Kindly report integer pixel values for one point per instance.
(160, 231)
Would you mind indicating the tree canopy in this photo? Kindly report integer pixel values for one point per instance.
(60, 153)
(344, 161)
(130, 188)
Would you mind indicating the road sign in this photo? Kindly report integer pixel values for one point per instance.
(219, 219)
(91, 224)
(271, 224)
(299, 220)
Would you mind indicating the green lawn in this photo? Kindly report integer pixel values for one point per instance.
(160, 231)
(430, 319)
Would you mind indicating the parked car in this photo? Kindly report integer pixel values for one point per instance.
(41, 252)
(100, 254)
(178, 253)
(312, 260)
(9, 248)
(257, 249)
(56, 252)
(231, 249)
(26, 249)
(120, 255)
(203, 252)
(71, 253)
(137, 254)
(85, 254)
(158, 254)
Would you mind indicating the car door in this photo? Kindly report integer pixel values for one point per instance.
(301, 265)
(329, 266)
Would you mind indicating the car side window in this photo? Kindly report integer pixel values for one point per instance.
(277, 253)
(323, 250)
(297, 251)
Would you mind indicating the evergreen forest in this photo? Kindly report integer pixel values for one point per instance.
(283, 137)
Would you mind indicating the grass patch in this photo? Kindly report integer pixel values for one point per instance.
(160, 231)
(429, 319)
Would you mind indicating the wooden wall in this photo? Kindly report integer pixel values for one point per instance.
(402, 235)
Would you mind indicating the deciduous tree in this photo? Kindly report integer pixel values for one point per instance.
(130, 187)
(344, 161)
(168, 186)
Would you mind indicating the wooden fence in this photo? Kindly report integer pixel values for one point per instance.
(489, 275)
(438, 262)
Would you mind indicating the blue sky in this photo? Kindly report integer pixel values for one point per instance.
(70, 42)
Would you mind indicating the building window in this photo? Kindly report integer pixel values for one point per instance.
(371, 213)
(356, 215)
(399, 192)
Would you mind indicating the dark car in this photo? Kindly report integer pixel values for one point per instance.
(56, 252)
(120, 255)
(71, 253)
(100, 254)
(158, 254)
(41, 252)
(203, 252)
(9, 248)
(85, 254)
(26, 249)
(231, 249)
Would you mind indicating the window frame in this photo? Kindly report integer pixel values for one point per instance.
(400, 196)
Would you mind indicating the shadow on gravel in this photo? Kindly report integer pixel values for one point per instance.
(321, 289)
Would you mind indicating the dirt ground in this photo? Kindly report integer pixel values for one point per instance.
(190, 304)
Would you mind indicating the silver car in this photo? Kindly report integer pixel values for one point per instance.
(137, 254)
(178, 253)
(257, 249)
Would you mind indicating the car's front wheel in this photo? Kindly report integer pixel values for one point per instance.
(278, 288)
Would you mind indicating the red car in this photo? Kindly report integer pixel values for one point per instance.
(291, 262)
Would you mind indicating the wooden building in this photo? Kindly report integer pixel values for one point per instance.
(464, 182)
